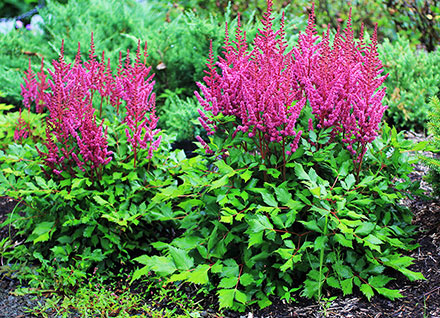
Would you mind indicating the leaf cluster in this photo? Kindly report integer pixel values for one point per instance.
(250, 238)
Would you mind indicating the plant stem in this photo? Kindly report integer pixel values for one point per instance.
(321, 259)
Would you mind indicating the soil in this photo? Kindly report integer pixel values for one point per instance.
(421, 298)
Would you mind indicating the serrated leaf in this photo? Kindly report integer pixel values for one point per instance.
(100, 200)
(240, 296)
(246, 175)
(246, 279)
(333, 282)
(311, 225)
(181, 258)
(283, 195)
(42, 231)
(367, 291)
(199, 275)
(365, 228)
(379, 280)
(320, 242)
(311, 288)
(182, 276)
(300, 173)
(219, 183)
(372, 241)
(228, 282)
(226, 298)
(347, 286)
(269, 199)
(41, 182)
(260, 223)
(217, 267)
(140, 272)
(343, 241)
(287, 265)
(389, 293)
(89, 230)
(412, 276)
(255, 239)
(223, 168)
(350, 181)
(161, 265)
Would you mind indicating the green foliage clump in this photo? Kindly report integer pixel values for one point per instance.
(414, 76)
(9, 121)
(434, 129)
(249, 236)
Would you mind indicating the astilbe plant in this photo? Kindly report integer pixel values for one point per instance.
(342, 83)
(75, 137)
(258, 87)
(266, 87)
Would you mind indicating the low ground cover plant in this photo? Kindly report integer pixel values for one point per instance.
(296, 188)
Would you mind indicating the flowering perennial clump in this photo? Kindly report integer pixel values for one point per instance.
(257, 86)
(266, 87)
(342, 83)
(75, 137)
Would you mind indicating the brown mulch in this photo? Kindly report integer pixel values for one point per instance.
(421, 298)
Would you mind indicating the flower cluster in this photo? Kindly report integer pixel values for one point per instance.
(75, 137)
(266, 87)
(342, 83)
(256, 86)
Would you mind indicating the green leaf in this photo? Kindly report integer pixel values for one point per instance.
(255, 239)
(246, 175)
(283, 195)
(311, 225)
(199, 275)
(219, 183)
(223, 168)
(389, 293)
(300, 173)
(89, 230)
(226, 298)
(228, 282)
(100, 200)
(311, 288)
(412, 276)
(287, 265)
(42, 231)
(259, 223)
(379, 280)
(269, 199)
(240, 296)
(246, 279)
(372, 242)
(347, 286)
(365, 228)
(367, 291)
(320, 242)
(181, 258)
(333, 282)
(138, 273)
(161, 265)
(350, 181)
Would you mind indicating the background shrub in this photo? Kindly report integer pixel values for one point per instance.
(434, 143)
(414, 76)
